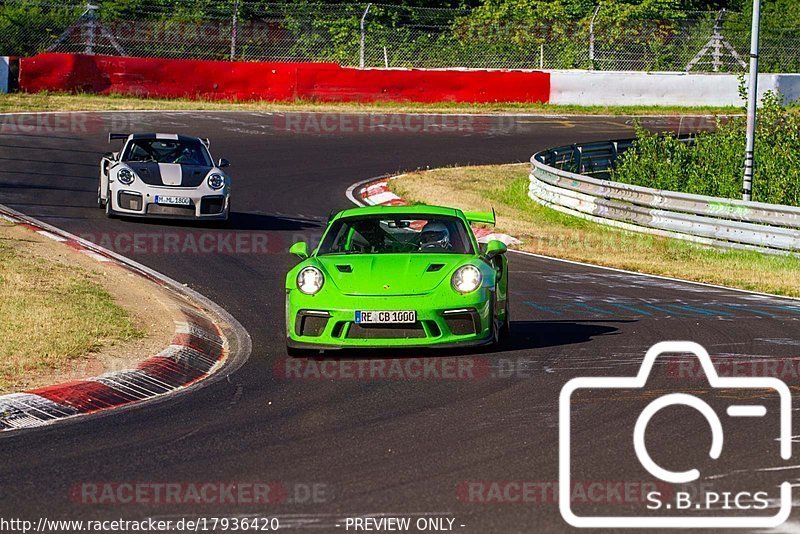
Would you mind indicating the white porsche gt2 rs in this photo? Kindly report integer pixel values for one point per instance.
(163, 175)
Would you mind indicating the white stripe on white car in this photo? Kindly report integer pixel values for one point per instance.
(171, 173)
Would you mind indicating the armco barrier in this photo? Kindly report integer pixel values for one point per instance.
(566, 179)
(171, 78)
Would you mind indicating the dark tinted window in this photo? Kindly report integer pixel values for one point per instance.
(190, 152)
(408, 234)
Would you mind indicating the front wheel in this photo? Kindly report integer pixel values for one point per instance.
(505, 328)
(100, 202)
(109, 212)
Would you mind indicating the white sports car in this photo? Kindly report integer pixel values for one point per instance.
(163, 175)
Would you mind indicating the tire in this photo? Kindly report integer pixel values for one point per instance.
(505, 329)
(109, 212)
(100, 202)
(495, 337)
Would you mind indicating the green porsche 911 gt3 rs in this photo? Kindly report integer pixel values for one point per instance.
(410, 276)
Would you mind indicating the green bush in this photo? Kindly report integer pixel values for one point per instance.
(713, 165)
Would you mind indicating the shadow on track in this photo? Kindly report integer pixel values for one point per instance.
(525, 335)
(539, 334)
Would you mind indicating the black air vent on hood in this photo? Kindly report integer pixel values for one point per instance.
(433, 267)
(345, 268)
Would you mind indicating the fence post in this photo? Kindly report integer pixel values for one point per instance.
(234, 29)
(363, 25)
(591, 37)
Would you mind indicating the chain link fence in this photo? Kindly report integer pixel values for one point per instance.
(378, 35)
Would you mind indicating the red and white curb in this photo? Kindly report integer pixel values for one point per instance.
(377, 193)
(199, 348)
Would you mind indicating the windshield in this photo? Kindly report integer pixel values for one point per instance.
(406, 234)
(187, 152)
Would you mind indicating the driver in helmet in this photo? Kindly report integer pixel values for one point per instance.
(434, 236)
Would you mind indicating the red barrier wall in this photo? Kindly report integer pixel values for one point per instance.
(171, 78)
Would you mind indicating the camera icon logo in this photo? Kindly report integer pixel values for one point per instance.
(675, 477)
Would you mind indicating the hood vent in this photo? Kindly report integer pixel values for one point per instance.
(433, 267)
(345, 268)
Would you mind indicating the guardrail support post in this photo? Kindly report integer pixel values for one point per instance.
(752, 102)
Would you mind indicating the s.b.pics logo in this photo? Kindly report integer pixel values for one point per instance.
(701, 446)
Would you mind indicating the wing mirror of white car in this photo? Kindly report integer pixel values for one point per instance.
(495, 248)
(111, 156)
(223, 163)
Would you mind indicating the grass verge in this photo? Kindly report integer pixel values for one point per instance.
(18, 102)
(546, 231)
(51, 313)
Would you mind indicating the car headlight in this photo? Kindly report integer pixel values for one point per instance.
(310, 280)
(125, 176)
(216, 181)
(467, 279)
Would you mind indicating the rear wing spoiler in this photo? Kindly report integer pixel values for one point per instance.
(112, 136)
(481, 217)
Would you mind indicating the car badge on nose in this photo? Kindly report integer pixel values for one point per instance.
(386, 286)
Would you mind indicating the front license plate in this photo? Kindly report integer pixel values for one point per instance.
(174, 201)
(386, 317)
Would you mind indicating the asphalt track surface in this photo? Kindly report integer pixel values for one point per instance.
(401, 446)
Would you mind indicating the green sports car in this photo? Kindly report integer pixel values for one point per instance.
(409, 276)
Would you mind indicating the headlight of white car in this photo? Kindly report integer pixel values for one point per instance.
(467, 279)
(310, 280)
(125, 176)
(216, 181)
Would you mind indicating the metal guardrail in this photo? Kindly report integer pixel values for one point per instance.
(574, 179)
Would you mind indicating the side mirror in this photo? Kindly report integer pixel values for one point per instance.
(495, 248)
(299, 249)
(110, 156)
(222, 163)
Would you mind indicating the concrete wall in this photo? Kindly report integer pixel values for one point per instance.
(615, 88)
(3, 74)
(240, 80)
(170, 78)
